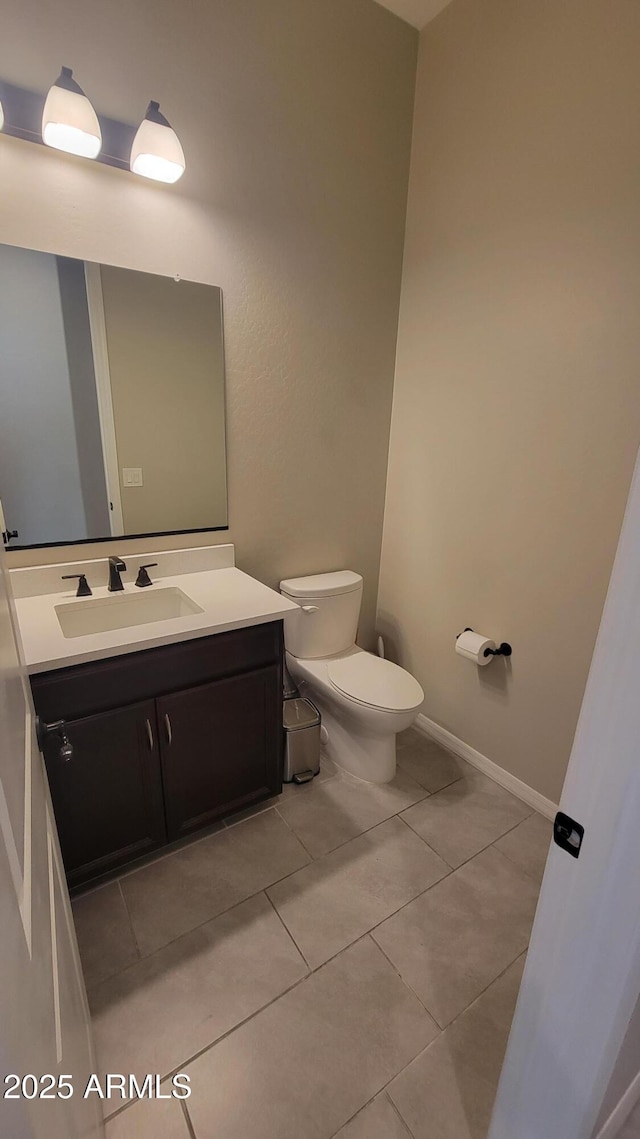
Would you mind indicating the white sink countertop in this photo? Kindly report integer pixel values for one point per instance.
(228, 598)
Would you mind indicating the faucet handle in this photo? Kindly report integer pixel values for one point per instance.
(143, 577)
(84, 589)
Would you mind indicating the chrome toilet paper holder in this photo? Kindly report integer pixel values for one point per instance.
(504, 649)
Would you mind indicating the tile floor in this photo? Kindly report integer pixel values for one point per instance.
(343, 963)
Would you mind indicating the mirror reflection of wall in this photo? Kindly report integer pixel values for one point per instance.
(111, 401)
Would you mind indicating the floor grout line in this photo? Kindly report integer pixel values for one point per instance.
(212, 917)
(304, 847)
(346, 841)
(187, 932)
(132, 1102)
(288, 931)
(384, 1089)
(403, 979)
(382, 1093)
(452, 870)
(214, 1043)
(241, 1023)
(487, 987)
(369, 932)
(120, 1110)
(456, 779)
(433, 850)
(511, 861)
(187, 1119)
(355, 1114)
(477, 852)
(451, 1023)
(131, 925)
(401, 1117)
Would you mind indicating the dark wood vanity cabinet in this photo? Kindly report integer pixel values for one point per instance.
(164, 742)
(219, 747)
(108, 797)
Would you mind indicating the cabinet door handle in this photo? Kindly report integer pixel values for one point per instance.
(150, 735)
(167, 724)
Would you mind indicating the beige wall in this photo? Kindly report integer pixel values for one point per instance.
(295, 117)
(166, 372)
(516, 413)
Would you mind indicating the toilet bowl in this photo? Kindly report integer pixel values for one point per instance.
(364, 700)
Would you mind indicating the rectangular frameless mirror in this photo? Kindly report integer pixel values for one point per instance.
(111, 402)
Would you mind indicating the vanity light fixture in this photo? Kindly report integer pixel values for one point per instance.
(69, 121)
(156, 152)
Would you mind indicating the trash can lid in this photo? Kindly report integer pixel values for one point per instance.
(299, 713)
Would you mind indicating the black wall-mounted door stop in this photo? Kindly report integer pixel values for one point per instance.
(568, 834)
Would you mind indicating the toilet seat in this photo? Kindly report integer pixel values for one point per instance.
(376, 682)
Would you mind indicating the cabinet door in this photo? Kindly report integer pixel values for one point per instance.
(108, 796)
(221, 747)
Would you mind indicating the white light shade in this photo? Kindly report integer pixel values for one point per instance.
(156, 152)
(1, 117)
(69, 122)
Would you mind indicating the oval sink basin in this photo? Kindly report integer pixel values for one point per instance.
(124, 610)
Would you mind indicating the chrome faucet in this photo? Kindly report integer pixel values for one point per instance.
(116, 566)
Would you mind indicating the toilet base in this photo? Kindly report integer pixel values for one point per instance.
(369, 756)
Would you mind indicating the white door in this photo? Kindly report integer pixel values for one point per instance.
(582, 978)
(44, 1018)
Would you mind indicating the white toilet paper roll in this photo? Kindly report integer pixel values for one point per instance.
(472, 645)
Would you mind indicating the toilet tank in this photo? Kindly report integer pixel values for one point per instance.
(327, 623)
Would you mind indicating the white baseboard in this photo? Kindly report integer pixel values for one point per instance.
(621, 1111)
(510, 783)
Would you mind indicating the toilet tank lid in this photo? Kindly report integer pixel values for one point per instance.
(322, 584)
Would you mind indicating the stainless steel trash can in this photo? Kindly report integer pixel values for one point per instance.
(301, 720)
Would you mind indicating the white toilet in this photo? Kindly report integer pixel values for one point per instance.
(364, 700)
